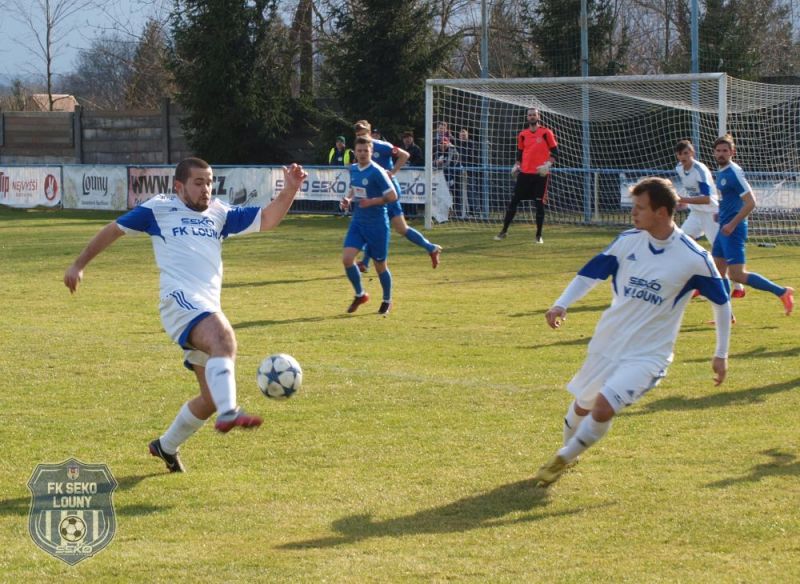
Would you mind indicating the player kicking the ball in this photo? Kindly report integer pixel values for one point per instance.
(654, 269)
(187, 230)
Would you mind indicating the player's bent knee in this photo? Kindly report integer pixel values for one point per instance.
(602, 410)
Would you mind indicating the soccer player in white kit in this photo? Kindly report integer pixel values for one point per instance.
(654, 269)
(700, 194)
(187, 230)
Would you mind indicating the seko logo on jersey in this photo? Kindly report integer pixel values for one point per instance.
(203, 227)
(643, 289)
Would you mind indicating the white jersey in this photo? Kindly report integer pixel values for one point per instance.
(698, 182)
(652, 282)
(188, 244)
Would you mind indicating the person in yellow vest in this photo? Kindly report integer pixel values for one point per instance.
(340, 155)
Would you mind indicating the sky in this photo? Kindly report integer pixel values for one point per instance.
(16, 39)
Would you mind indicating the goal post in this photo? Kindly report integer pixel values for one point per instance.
(611, 132)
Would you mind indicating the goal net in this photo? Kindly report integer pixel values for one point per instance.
(611, 132)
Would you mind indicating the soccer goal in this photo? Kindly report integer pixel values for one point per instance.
(611, 132)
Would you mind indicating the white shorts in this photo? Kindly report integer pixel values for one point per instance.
(701, 223)
(179, 314)
(622, 383)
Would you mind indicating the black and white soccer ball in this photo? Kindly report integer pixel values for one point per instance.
(72, 529)
(279, 376)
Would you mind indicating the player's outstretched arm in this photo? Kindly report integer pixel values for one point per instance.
(555, 316)
(402, 158)
(104, 238)
(273, 214)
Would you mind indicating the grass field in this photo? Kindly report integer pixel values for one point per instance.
(407, 455)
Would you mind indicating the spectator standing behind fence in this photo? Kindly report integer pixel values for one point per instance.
(442, 131)
(469, 161)
(536, 151)
(340, 154)
(448, 159)
(415, 157)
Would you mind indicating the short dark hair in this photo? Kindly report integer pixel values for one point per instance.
(363, 140)
(661, 191)
(726, 139)
(184, 169)
(683, 144)
(408, 134)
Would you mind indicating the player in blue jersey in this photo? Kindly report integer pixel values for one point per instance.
(383, 153)
(737, 201)
(654, 269)
(187, 230)
(700, 194)
(370, 192)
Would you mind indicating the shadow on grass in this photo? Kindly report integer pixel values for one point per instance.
(274, 282)
(21, 505)
(757, 353)
(717, 400)
(257, 323)
(781, 464)
(570, 312)
(476, 512)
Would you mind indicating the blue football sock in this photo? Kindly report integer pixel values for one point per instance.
(386, 284)
(759, 282)
(417, 238)
(355, 279)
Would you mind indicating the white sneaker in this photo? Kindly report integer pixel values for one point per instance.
(500, 236)
(539, 240)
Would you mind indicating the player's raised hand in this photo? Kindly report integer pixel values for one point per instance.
(72, 277)
(555, 316)
(720, 367)
(294, 175)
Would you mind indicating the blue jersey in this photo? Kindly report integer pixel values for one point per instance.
(732, 186)
(370, 182)
(382, 154)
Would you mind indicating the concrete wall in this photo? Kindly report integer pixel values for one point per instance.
(93, 137)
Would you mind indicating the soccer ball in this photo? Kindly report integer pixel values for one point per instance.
(279, 376)
(72, 528)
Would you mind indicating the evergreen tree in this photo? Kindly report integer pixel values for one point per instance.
(555, 29)
(150, 81)
(229, 61)
(378, 59)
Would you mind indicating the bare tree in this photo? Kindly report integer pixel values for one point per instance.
(47, 22)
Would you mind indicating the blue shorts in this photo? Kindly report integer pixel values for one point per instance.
(394, 209)
(731, 247)
(374, 239)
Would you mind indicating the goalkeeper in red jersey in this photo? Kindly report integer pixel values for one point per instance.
(536, 151)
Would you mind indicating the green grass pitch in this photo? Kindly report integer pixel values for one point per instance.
(408, 453)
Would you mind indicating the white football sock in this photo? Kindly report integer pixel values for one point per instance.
(222, 383)
(589, 432)
(182, 428)
(571, 422)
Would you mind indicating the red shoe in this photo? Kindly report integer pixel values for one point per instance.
(435, 256)
(696, 293)
(788, 300)
(229, 420)
(362, 267)
(357, 301)
(738, 293)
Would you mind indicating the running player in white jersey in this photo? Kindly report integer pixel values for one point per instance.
(700, 194)
(187, 230)
(654, 269)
